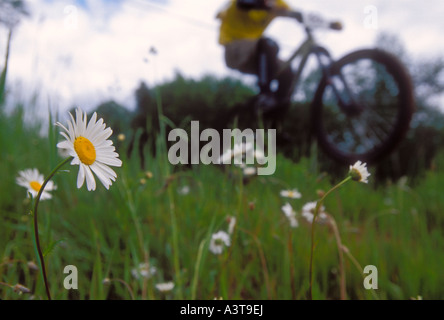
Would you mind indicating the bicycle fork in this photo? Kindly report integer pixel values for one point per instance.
(337, 82)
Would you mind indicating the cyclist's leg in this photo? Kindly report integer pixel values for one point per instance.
(266, 60)
(284, 78)
(241, 55)
(267, 50)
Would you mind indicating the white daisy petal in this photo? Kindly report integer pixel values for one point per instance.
(110, 172)
(108, 152)
(80, 176)
(72, 130)
(91, 123)
(61, 126)
(105, 134)
(90, 181)
(81, 126)
(75, 160)
(110, 161)
(106, 144)
(101, 175)
(99, 126)
(45, 196)
(64, 144)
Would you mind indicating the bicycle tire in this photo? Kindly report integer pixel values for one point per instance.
(334, 128)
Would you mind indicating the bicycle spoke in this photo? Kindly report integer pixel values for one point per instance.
(367, 116)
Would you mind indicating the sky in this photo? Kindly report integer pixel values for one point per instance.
(84, 52)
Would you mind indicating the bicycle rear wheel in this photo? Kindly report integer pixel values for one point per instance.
(362, 109)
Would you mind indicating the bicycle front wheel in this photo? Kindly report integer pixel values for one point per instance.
(363, 107)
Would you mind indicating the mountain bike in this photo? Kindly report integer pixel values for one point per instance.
(363, 104)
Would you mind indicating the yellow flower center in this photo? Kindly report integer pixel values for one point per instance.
(85, 150)
(35, 185)
(355, 175)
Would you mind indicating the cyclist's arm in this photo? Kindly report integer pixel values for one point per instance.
(280, 12)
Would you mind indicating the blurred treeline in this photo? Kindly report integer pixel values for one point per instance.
(213, 101)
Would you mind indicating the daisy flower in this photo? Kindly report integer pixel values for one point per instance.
(290, 214)
(88, 145)
(294, 194)
(359, 172)
(144, 270)
(308, 211)
(32, 179)
(166, 286)
(218, 241)
(259, 155)
(184, 190)
(237, 153)
(249, 171)
(242, 149)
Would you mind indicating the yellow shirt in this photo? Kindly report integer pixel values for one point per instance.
(245, 24)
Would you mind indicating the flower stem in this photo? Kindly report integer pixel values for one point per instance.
(318, 206)
(126, 285)
(36, 227)
(343, 293)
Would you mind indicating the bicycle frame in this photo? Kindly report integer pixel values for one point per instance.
(308, 47)
(303, 51)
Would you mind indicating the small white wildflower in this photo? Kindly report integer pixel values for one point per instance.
(288, 210)
(293, 222)
(237, 153)
(249, 171)
(294, 194)
(32, 180)
(308, 211)
(166, 286)
(359, 172)
(290, 214)
(184, 190)
(259, 155)
(219, 240)
(241, 149)
(143, 270)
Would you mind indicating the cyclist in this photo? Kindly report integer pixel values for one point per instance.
(243, 23)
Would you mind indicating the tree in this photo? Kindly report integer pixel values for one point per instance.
(11, 11)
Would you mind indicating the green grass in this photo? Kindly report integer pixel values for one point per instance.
(105, 234)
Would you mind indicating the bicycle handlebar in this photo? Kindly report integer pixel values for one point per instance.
(314, 21)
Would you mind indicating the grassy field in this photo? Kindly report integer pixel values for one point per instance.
(165, 216)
